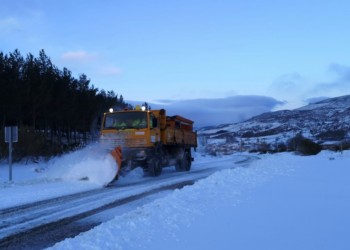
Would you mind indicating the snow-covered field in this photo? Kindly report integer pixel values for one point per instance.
(279, 201)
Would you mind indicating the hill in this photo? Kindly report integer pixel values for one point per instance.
(326, 122)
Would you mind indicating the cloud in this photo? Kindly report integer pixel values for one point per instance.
(342, 78)
(341, 70)
(9, 24)
(337, 87)
(79, 55)
(298, 91)
(110, 70)
(288, 84)
(208, 112)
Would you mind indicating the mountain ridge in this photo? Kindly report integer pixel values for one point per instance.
(323, 121)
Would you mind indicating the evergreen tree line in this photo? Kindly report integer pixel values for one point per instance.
(48, 105)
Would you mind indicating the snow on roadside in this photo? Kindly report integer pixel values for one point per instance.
(172, 222)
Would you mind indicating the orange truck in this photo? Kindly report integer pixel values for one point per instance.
(149, 139)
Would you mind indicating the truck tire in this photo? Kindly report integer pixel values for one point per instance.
(188, 161)
(154, 167)
(184, 164)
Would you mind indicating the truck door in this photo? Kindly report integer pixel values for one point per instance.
(154, 128)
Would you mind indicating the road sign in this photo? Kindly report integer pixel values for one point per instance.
(11, 134)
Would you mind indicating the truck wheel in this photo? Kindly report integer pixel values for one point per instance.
(154, 167)
(184, 164)
(178, 165)
(188, 161)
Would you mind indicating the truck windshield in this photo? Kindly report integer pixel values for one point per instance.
(125, 120)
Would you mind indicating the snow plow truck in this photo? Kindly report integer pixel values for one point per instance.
(149, 139)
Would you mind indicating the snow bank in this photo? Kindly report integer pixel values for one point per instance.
(282, 201)
(165, 223)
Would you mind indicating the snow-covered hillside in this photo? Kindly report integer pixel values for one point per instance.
(326, 122)
(279, 201)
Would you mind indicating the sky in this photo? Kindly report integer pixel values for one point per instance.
(166, 52)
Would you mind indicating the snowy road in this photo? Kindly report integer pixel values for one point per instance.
(24, 223)
(282, 201)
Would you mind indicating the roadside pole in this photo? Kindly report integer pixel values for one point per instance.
(10, 160)
(11, 135)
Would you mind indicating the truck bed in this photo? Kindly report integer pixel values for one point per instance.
(179, 131)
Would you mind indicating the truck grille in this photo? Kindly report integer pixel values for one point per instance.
(126, 142)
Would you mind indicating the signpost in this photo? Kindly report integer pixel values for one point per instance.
(11, 135)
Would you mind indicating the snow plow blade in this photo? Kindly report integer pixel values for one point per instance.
(117, 155)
